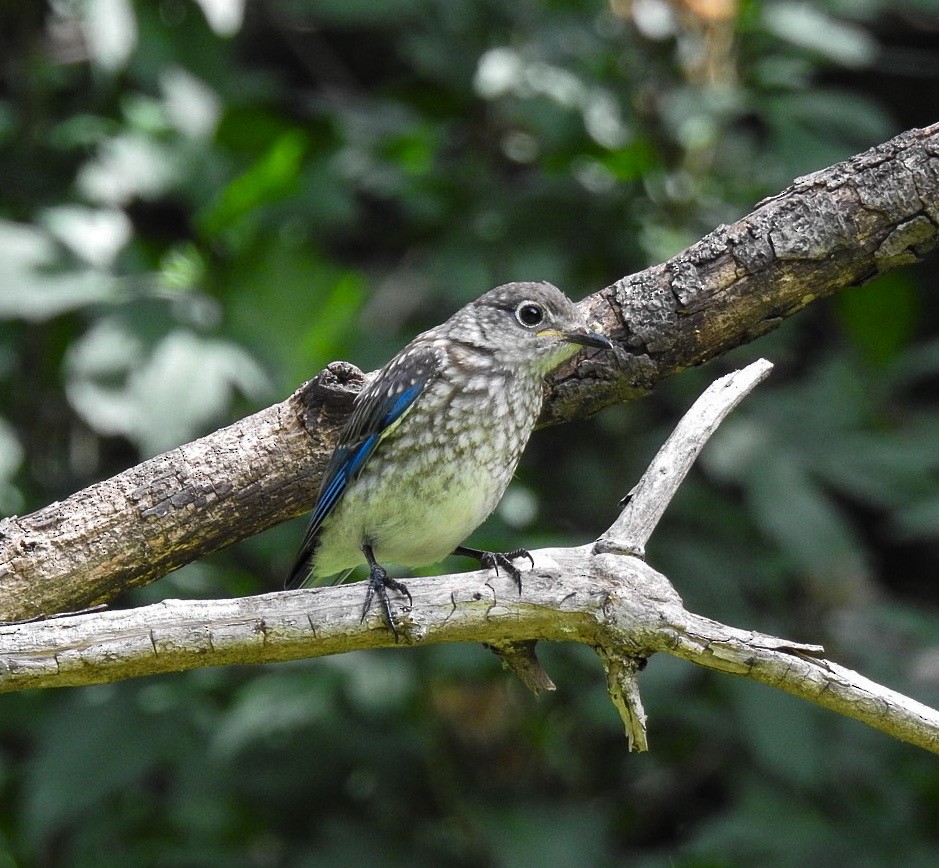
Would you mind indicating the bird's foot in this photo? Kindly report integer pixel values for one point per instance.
(494, 560)
(378, 583)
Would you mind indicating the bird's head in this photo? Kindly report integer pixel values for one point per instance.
(529, 325)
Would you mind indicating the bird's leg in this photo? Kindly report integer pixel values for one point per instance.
(378, 582)
(494, 560)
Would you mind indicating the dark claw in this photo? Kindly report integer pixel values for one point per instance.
(494, 560)
(521, 553)
(378, 583)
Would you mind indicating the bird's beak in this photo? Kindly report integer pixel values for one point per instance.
(582, 337)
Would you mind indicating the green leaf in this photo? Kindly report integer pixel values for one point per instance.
(271, 178)
(631, 161)
(310, 307)
(34, 283)
(86, 753)
(810, 28)
(881, 317)
(810, 528)
(270, 707)
(164, 397)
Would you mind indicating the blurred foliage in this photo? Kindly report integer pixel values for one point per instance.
(204, 202)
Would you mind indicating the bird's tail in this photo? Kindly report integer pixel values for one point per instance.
(311, 581)
(301, 575)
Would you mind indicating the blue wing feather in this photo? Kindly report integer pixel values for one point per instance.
(379, 406)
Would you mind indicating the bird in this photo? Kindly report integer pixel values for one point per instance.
(434, 439)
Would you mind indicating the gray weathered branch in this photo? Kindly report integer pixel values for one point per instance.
(608, 601)
(599, 594)
(836, 228)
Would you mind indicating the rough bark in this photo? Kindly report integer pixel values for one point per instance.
(832, 229)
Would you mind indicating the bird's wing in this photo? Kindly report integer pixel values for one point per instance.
(378, 409)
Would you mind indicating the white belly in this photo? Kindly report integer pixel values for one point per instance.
(410, 521)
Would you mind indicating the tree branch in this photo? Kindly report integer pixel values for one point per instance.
(645, 504)
(835, 228)
(608, 601)
(593, 594)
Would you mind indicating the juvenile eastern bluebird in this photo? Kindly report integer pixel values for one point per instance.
(435, 436)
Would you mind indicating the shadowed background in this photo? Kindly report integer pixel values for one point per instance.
(204, 203)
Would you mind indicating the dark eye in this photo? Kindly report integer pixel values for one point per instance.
(529, 314)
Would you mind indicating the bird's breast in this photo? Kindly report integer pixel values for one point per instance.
(435, 478)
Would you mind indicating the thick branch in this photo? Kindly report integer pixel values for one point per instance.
(157, 516)
(836, 228)
(613, 602)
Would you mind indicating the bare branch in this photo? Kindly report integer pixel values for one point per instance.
(520, 659)
(833, 229)
(611, 602)
(646, 503)
(802, 671)
(622, 683)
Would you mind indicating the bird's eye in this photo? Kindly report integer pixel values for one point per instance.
(529, 314)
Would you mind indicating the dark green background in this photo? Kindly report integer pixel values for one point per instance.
(193, 222)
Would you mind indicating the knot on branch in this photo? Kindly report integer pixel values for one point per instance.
(329, 396)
